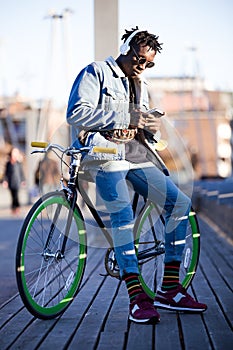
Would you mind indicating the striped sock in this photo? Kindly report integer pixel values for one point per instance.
(133, 285)
(171, 275)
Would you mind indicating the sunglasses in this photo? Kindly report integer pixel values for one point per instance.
(142, 60)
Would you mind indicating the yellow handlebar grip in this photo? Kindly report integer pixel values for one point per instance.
(97, 149)
(39, 144)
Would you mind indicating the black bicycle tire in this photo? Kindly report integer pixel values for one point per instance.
(35, 309)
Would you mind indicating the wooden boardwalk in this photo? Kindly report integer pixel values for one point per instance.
(97, 319)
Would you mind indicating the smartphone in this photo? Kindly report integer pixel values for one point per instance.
(156, 112)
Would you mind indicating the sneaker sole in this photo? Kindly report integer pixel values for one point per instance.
(152, 320)
(176, 308)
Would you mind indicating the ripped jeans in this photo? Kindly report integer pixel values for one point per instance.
(113, 184)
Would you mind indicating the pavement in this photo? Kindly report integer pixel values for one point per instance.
(5, 203)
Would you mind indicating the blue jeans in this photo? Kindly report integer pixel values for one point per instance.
(151, 183)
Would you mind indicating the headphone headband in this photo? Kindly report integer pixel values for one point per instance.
(124, 48)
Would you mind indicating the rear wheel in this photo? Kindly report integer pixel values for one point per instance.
(150, 246)
(47, 279)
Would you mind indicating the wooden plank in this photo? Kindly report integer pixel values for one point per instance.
(221, 293)
(220, 336)
(167, 335)
(13, 329)
(87, 334)
(193, 332)
(140, 336)
(72, 318)
(193, 328)
(116, 327)
(9, 310)
(218, 330)
(210, 264)
(220, 243)
(33, 333)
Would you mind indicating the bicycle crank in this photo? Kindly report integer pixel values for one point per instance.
(110, 263)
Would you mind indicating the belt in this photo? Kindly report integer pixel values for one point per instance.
(119, 135)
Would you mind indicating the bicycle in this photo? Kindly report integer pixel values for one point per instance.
(52, 246)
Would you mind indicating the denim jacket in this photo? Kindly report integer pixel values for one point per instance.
(99, 100)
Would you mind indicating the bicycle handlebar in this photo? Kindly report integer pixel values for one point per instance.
(49, 146)
(39, 144)
(97, 149)
(70, 151)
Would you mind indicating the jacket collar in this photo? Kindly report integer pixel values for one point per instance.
(112, 63)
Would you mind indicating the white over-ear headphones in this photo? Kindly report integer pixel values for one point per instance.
(124, 48)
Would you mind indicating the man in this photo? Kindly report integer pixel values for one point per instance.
(107, 107)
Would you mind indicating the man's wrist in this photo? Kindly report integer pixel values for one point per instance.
(131, 126)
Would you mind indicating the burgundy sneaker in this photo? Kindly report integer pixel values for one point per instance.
(142, 310)
(178, 299)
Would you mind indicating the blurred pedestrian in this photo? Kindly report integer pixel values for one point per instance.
(14, 177)
(47, 175)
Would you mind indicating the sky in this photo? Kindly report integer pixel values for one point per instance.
(26, 65)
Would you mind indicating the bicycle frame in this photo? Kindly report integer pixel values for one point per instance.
(94, 213)
(157, 249)
(72, 190)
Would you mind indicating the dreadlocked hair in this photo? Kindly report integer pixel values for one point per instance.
(143, 38)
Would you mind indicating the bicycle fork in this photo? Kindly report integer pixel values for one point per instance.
(71, 196)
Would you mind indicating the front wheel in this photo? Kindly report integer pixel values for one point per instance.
(50, 258)
(150, 247)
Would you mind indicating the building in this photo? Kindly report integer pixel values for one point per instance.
(202, 119)
(23, 121)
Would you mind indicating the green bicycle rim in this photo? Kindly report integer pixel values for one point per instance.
(195, 251)
(56, 309)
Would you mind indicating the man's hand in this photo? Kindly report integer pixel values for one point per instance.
(152, 124)
(143, 120)
(137, 119)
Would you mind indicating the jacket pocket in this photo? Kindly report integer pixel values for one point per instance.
(114, 99)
